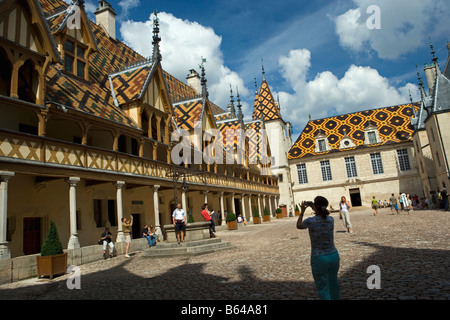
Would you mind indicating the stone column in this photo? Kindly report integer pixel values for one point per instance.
(222, 211)
(120, 234)
(206, 196)
(156, 210)
(5, 253)
(243, 207)
(74, 243)
(270, 205)
(259, 205)
(250, 214)
(183, 203)
(233, 207)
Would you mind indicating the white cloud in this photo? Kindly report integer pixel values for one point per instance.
(405, 26)
(126, 5)
(183, 45)
(359, 89)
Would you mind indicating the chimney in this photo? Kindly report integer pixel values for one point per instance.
(106, 17)
(193, 80)
(430, 74)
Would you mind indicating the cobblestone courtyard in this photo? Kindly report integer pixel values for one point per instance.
(271, 262)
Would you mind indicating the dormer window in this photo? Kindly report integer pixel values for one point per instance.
(75, 59)
(322, 144)
(371, 135)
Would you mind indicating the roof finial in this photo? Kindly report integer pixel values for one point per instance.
(240, 115)
(156, 39)
(205, 93)
(263, 72)
(435, 59)
(231, 96)
(256, 87)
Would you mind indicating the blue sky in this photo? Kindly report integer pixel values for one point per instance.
(319, 56)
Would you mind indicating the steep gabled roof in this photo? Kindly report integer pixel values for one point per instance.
(393, 125)
(265, 104)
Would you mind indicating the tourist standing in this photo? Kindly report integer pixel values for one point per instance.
(126, 227)
(344, 211)
(179, 221)
(324, 255)
(208, 217)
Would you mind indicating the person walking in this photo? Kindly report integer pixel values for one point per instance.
(344, 211)
(375, 206)
(393, 203)
(324, 255)
(179, 221)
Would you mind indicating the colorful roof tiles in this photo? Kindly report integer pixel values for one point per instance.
(265, 104)
(393, 125)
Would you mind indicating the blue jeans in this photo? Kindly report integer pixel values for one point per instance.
(151, 240)
(325, 269)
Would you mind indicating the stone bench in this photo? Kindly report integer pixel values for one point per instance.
(24, 267)
(194, 231)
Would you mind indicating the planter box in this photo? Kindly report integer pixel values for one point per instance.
(279, 215)
(266, 218)
(51, 265)
(232, 225)
(297, 213)
(256, 220)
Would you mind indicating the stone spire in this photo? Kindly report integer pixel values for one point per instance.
(231, 105)
(156, 57)
(203, 80)
(239, 106)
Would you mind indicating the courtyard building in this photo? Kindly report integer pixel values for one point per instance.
(87, 131)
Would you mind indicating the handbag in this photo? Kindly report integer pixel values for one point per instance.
(100, 241)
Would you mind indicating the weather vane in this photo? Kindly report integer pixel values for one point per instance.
(201, 66)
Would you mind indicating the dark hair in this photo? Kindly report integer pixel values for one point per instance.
(204, 206)
(321, 204)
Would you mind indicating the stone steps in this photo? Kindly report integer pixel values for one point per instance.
(190, 248)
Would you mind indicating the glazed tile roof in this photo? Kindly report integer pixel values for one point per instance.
(393, 125)
(265, 104)
(189, 113)
(94, 97)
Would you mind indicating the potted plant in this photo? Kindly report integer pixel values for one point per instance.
(279, 213)
(266, 215)
(256, 217)
(53, 260)
(297, 210)
(231, 221)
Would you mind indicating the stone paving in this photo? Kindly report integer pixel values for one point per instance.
(271, 261)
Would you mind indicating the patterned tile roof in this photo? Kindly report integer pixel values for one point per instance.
(393, 125)
(95, 97)
(188, 113)
(265, 104)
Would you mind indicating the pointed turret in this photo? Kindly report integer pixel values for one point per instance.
(156, 57)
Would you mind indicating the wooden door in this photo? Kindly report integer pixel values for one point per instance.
(31, 235)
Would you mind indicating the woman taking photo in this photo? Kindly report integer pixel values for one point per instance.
(324, 255)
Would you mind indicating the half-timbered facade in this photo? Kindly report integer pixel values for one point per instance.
(86, 134)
